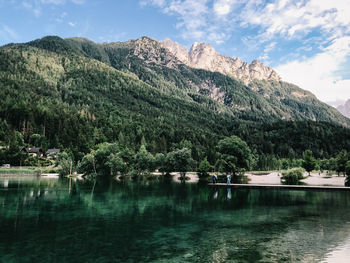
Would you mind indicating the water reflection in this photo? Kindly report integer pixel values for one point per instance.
(215, 192)
(228, 193)
(75, 221)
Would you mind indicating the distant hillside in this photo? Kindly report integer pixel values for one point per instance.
(76, 93)
(345, 109)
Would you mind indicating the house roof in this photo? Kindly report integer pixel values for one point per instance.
(52, 151)
(33, 150)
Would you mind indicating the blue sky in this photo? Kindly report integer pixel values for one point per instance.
(307, 42)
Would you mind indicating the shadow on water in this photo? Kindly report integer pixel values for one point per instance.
(109, 221)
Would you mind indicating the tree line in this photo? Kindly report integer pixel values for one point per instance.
(112, 159)
(233, 157)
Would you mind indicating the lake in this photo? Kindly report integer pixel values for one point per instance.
(61, 220)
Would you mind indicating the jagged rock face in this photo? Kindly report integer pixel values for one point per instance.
(149, 50)
(177, 50)
(258, 70)
(345, 109)
(204, 56)
(145, 49)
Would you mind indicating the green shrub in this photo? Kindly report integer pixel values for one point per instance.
(204, 168)
(292, 176)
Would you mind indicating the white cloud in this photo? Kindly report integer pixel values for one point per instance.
(192, 15)
(72, 24)
(270, 47)
(196, 18)
(265, 56)
(8, 34)
(217, 38)
(263, 25)
(288, 17)
(320, 73)
(223, 7)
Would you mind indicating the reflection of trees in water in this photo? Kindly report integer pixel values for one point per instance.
(183, 222)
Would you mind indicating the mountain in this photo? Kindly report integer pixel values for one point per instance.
(267, 98)
(204, 56)
(258, 77)
(75, 93)
(345, 109)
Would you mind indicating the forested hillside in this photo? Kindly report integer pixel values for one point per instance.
(75, 94)
(155, 65)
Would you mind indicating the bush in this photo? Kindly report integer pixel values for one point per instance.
(204, 168)
(292, 176)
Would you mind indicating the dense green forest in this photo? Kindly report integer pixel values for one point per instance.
(74, 94)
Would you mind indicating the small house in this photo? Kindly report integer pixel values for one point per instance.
(35, 152)
(52, 153)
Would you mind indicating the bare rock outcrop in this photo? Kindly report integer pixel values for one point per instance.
(204, 56)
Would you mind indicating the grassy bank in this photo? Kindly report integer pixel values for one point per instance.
(26, 171)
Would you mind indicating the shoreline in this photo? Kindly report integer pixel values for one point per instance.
(315, 179)
(273, 178)
(281, 186)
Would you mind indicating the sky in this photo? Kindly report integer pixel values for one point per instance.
(306, 42)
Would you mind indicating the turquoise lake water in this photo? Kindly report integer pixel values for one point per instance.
(51, 220)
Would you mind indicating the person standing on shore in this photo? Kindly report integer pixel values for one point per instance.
(214, 178)
(228, 179)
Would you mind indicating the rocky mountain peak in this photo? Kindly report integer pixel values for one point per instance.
(203, 48)
(204, 56)
(177, 50)
(146, 42)
(151, 51)
(259, 71)
(238, 61)
(256, 62)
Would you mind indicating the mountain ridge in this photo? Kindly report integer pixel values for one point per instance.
(204, 56)
(151, 62)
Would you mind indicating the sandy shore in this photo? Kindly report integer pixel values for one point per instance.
(50, 175)
(191, 177)
(275, 178)
(313, 179)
